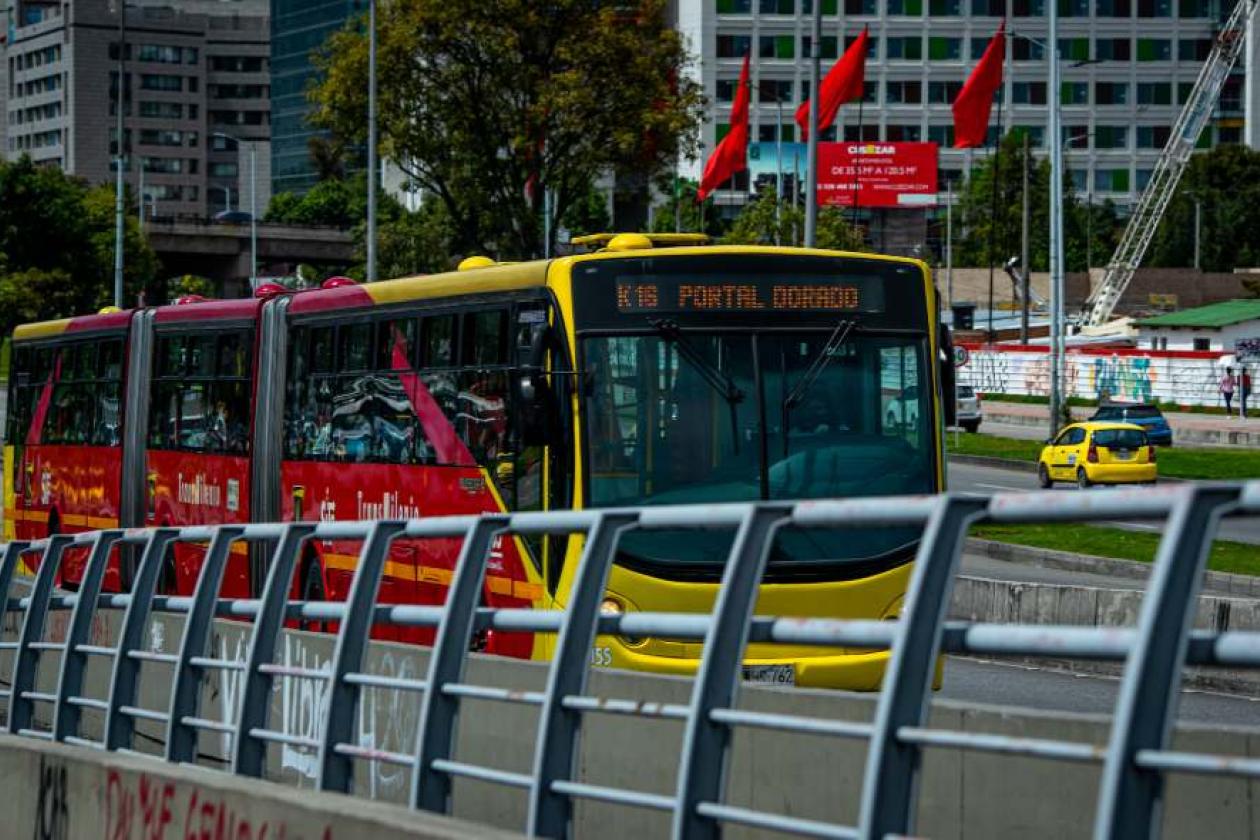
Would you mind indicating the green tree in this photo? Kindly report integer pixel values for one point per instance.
(484, 103)
(57, 242)
(681, 210)
(835, 232)
(189, 284)
(1088, 232)
(410, 243)
(588, 214)
(975, 217)
(337, 203)
(1226, 184)
(759, 224)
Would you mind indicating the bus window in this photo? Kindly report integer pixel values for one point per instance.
(201, 394)
(485, 338)
(321, 352)
(438, 342)
(396, 345)
(355, 347)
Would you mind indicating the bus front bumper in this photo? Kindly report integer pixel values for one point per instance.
(862, 671)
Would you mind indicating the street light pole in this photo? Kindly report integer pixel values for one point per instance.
(1024, 256)
(119, 220)
(811, 181)
(371, 161)
(1056, 224)
(253, 200)
(253, 214)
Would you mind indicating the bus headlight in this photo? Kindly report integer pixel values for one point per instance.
(615, 606)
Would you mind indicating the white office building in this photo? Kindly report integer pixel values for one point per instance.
(1127, 66)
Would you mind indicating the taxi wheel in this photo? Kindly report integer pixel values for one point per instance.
(1082, 479)
(1043, 477)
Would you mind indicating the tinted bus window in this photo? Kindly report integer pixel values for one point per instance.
(201, 393)
(83, 406)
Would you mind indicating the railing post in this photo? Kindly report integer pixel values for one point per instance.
(123, 686)
(550, 813)
(26, 658)
(181, 739)
(702, 765)
(439, 716)
(336, 771)
(73, 661)
(250, 753)
(892, 767)
(1130, 797)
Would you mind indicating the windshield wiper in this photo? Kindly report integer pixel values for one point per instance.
(816, 367)
(709, 372)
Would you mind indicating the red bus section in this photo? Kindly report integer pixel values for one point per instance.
(398, 416)
(64, 439)
(200, 428)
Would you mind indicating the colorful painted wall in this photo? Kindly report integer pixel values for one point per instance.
(1185, 378)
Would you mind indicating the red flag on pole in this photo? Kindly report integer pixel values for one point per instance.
(731, 155)
(975, 100)
(844, 83)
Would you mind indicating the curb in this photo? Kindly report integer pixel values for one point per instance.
(1181, 434)
(1024, 466)
(999, 601)
(992, 461)
(1230, 584)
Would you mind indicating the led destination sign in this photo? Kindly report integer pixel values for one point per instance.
(674, 293)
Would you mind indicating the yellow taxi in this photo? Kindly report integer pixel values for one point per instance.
(1098, 453)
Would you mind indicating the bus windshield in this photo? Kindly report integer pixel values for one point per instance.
(809, 414)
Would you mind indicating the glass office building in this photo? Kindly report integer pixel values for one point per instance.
(298, 27)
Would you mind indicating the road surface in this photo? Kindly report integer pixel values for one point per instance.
(973, 478)
(997, 683)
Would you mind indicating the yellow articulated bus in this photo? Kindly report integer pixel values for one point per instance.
(672, 375)
(730, 373)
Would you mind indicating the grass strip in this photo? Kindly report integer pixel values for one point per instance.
(1208, 463)
(1101, 541)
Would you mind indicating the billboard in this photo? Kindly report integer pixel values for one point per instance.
(872, 174)
(877, 174)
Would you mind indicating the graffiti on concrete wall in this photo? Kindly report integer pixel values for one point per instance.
(1127, 378)
(1098, 375)
(52, 813)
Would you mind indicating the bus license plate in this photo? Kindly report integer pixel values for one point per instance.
(770, 674)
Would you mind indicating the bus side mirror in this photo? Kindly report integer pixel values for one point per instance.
(536, 404)
(948, 376)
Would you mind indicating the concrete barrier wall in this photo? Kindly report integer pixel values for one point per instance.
(964, 794)
(54, 792)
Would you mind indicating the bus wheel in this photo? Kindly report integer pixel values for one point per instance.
(312, 590)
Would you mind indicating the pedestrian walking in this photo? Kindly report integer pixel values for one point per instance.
(1227, 388)
(1246, 390)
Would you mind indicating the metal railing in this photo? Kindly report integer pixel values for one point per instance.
(1133, 763)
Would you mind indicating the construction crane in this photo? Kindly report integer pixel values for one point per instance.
(1172, 162)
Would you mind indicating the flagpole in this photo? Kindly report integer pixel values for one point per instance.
(815, 100)
(995, 173)
(857, 184)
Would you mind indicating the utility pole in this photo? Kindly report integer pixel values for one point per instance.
(119, 220)
(778, 172)
(1198, 231)
(815, 70)
(949, 242)
(1023, 252)
(371, 161)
